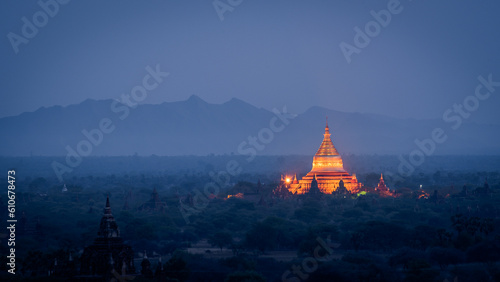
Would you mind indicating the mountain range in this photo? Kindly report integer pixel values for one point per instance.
(195, 127)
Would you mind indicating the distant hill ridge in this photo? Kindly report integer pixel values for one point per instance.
(195, 127)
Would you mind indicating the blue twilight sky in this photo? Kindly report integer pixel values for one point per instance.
(267, 53)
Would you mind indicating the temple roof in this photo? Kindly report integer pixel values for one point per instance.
(108, 227)
(327, 148)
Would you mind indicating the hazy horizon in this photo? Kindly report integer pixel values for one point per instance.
(217, 103)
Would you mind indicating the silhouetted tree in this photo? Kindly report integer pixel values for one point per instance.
(221, 239)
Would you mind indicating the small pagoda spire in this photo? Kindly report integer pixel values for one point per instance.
(107, 209)
(146, 266)
(381, 182)
(108, 227)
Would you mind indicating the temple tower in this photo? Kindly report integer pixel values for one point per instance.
(108, 252)
(381, 185)
(327, 169)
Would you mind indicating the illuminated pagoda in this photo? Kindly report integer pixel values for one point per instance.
(327, 169)
(382, 189)
(381, 185)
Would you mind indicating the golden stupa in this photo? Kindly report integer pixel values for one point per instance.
(328, 169)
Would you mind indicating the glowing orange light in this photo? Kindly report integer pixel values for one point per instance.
(288, 180)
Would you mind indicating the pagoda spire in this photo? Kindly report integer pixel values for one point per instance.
(381, 182)
(107, 209)
(327, 148)
(327, 173)
(108, 227)
(108, 250)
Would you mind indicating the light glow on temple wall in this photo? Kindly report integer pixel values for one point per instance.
(239, 196)
(328, 169)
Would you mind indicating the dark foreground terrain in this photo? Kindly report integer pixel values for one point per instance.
(180, 230)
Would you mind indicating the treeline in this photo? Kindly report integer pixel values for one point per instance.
(420, 236)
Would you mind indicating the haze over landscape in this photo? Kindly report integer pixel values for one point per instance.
(195, 127)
